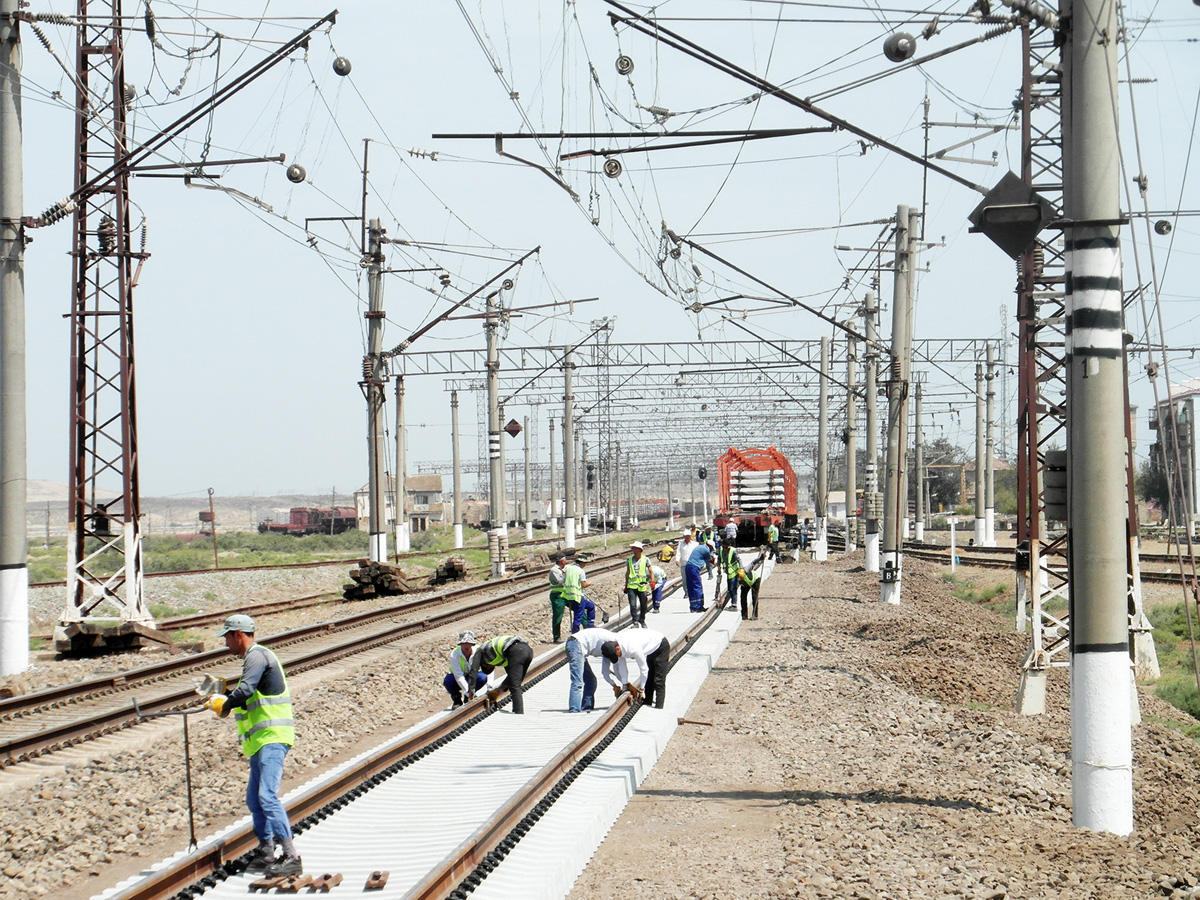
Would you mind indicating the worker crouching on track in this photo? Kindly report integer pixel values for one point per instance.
(652, 652)
(750, 580)
(508, 652)
(263, 712)
(656, 588)
(455, 682)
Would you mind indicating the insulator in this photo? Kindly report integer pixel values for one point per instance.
(341, 66)
(145, 233)
(368, 368)
(624, 64)
(899, 46)
(612, 167)
(58, 211)
(296, 173)
(1162, 226)
(507, 284)
(107, 235)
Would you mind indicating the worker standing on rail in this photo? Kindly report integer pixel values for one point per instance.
(773, 539)
(455, 681)
(263, 712)
(558, 603)
(582, 644)
(637, 584)
(652, 652)
(700, 558)
(509, 652)
(730, 565)
(687, 543)
(574, 581)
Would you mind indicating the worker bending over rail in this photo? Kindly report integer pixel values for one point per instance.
(509, 652)
(263, 712)
(651, 651)
(455, 682)
(580, 645)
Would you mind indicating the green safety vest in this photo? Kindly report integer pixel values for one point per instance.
(495, 646)
(751, 577)
(637, 573)
(556, 589)
(572, 587)
(772, 533)
(266, 719)
(729, 559)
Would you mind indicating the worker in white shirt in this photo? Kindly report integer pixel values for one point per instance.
(584, 643)
(687, 543)
(651, 651)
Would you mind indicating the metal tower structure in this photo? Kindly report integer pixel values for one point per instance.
(1041, 396)
(104, 544)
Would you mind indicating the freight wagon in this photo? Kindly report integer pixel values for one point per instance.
(313, 520)
(756, 487)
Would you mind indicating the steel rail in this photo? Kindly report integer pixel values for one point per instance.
(23, 747)
(225, 856)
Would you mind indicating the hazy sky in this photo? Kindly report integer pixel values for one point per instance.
(250, 341)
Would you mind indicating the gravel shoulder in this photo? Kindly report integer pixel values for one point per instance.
(871, 751)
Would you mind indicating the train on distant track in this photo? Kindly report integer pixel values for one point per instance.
(313, 520)
(756, 488)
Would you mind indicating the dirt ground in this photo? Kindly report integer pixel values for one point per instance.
(872, 751)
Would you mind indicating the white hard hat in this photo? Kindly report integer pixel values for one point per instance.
(636, 545)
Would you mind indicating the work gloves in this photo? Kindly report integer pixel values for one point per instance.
(616, 690)
(492, 699)
(635, 691)
(217, 704)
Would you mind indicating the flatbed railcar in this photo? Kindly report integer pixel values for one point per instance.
(756, 488)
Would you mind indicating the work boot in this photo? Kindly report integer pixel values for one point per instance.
(261, 857)
(285, 865)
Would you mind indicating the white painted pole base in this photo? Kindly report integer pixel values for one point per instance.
(529, 531)
(585, 525)
(980, 532)
(570, 536)
(458, 536)
(871, 552)
(989, 517)
(618, 528)
(14, 620)
(905, 528)
(920, 532)
(554, 525)
(379, 547)
(889, 591)
(1101, 742)
(953, 547)
(820, 549)
(1022, 603)
(404, 538)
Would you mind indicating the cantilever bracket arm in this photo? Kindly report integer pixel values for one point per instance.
(528, 162)
(130, 160)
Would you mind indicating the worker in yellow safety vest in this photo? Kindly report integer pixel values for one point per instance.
(509, 652)
(639, 582)
(262, 708)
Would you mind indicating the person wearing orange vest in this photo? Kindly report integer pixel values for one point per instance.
(262, 709)
(639, 581)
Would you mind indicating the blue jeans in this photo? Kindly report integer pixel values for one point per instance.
(262, 793)
(694, 587)
(455, 692)
(583, 679)
(656, 600)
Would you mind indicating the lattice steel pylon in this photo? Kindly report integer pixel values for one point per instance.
(104, 545)
(1041, 399)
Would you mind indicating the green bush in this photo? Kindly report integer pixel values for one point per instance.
(1180, 692)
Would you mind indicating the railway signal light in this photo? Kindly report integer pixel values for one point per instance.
(591, 476)
(702, 473)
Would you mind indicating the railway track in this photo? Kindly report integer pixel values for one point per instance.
(55, 718)
(443, 761)
(1002, 558)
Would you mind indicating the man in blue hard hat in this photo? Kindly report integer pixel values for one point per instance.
(267, 730)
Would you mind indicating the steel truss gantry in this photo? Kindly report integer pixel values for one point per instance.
(1041, 400)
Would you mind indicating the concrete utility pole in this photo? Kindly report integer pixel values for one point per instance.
(585, 519)
(633, 511)
(851, 446)
(617, 486)
(872, 500)
(919, 465)
(553, 485)
(503, 471)
(569, 446)
(498, 534)
(373, 379)
(14, 566)
(895, 497)
(581, 519)
(989, 449)
(980, 480)
(528, 494)
(458, 506)
(1101, 677)
(821, 541)
(402, 525)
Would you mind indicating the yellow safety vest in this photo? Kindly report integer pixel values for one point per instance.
(266, 719)
(637, 573)
(497, 654)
